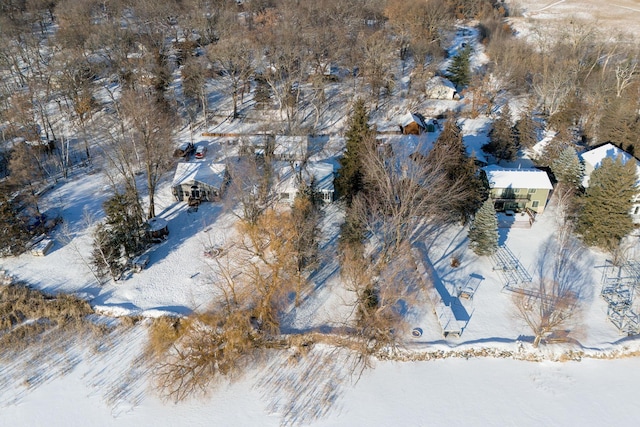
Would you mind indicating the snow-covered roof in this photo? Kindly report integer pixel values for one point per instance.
(208, 173)
(440, 81)
(500, 177)
(289, 181)
(440, 88)
(157, 223)
(595, 157)
(323, 174)
(256, 140)
(409, 118)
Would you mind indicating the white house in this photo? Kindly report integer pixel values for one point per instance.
(440, 88)
(197, 182)
(291, 176)
(593, 158)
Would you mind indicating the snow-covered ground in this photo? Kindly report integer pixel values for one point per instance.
(617, 17)
(113, 386)
(451, 392)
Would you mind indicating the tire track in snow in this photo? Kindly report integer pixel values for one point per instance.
(549, 6)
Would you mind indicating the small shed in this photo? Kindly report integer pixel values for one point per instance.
(415, 124)
(157, 228)
(42, 247)
(196, 182)
(447, 320)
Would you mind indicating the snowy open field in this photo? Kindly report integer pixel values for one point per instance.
(618, 16)
(452, 392)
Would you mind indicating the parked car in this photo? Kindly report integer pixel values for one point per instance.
(201, 151)
(184, 150)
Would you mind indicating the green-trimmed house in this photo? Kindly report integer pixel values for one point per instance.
(518, 189)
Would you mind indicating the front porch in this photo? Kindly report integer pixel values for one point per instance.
(523, 218)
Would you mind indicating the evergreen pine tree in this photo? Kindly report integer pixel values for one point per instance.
(502, 142)
(567, 167)
(604, 219)
(120, 237)
(483, 233)
(525, 131)
(621, 123)
(459, 71)
(450, 153)
(350, 175)
(552, 150)
(305, 216)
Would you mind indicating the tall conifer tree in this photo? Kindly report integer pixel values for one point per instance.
(483, 233)
(525, 130)
(604, 219)
(567, 168)
(350, 176)
(459, 71)
(450, 153)
(502, 141)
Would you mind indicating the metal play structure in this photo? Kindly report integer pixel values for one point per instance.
(510, 269)
(619, 285)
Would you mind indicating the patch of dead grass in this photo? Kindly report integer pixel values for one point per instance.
(163, 333)
(27, 315)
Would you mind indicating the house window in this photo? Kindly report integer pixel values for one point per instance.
(532, 190)
(516, 190)
(535, 204)
(636, 210)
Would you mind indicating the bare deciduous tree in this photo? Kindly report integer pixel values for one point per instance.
(151, 128)
(211, 345)
(271, 266)
(26, 174)
(551, 308)
(403, 190)
(402, 197)
(233, 58)
(248, 195)
(381, 299)
(284, 64)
